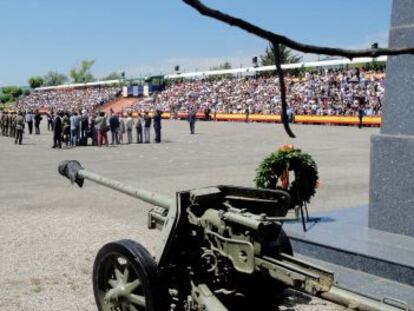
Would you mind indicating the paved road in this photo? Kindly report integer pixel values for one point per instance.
(51, 230)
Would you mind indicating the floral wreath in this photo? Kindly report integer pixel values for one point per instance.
(275, 168)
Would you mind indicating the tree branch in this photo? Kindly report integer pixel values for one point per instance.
(282, 86)
(277, 39)
(295, 45)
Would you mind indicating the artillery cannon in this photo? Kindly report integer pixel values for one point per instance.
(223, 248)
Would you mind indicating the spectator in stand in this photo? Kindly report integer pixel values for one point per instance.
(321, 92)
(68, 99)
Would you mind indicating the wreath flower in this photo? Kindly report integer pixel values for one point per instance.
(276, 167)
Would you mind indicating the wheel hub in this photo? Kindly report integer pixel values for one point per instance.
(122, 291)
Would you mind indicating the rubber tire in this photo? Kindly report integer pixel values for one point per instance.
(143, 265)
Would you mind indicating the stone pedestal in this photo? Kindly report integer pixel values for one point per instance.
(391, 205)
(371, 250)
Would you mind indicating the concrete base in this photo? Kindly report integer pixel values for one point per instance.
(392, 184)
(342, 238)
(367, 284)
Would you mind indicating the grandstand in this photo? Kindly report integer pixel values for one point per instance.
(326, 91)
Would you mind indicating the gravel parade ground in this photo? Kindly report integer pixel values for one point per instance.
(51, 230)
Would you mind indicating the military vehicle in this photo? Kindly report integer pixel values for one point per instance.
(222, 248)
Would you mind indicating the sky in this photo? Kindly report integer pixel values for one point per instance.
(143, 37)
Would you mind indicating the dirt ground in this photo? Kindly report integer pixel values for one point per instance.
(50, 230)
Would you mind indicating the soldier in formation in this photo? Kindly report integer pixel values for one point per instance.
(4, 123)
(19, 122)
(94, 127)
(12, 125)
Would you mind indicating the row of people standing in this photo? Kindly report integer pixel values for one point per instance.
(69, 128)
(33, 118)
(118, 126)
(7, 121)
(77, 128)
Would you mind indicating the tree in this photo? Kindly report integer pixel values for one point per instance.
(82, 74)
(10, 93)
(224, 66)
(35, 82)
(53, 78)
(286, 56)
(112, 76)
(5, 98)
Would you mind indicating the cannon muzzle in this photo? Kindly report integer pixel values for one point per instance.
(74, 171)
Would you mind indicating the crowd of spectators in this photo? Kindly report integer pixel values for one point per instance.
(326, 92)
(85, 98)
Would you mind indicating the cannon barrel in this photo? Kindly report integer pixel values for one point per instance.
(74, 171)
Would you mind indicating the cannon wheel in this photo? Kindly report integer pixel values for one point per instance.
(126, 278)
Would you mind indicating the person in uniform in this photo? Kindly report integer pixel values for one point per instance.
(246, 114)
(57, 130)
(1, 122)
(5, 119)
(12, 124)
(19, 128)
(361, 113)
(192, 120)
(7, 124)
(157, 126)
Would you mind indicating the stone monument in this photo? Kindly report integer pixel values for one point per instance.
(391, 206)
(371, 249)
